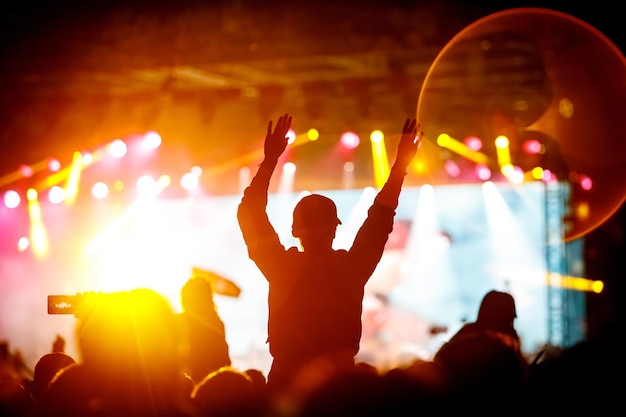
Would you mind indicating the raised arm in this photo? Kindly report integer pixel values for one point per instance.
(258, 233)
(275, 144)
(407, 148)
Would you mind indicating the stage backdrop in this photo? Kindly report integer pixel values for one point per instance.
(450, 245)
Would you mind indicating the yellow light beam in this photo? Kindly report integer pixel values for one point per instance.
(379, 158)
(575, 283)
(502, 151)
(71, 187)
(38, 234)
(445, 141)
(17, 174)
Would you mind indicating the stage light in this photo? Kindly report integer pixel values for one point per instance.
(585, 182)
(196, 170)
(31, 194)
(291, 136)
(152, 140)
(517, 176)
(576, 283)
(118, 185)
(117, 148)
(54, 165)
(582, 210)
(548, 175)
(377, 136)
(289, 168)
(26, 171)
(87, 158)
(56, 194)
(446, 141)
(164, 181)
(597, 286)
(507, 170)
(452, 168)
(99, 190)
(533, 146)
(350, 140)
(483, 172)
(287, 177)
(473, 143)
(502, 151)
(71, 188)
(502, 142)
(189, 181)
(537, 173)
(313, 135)
(38, 234)
(244, 178)
(12, 199)
(379, 158)
(146, 185)
(348, 175)
(22, 244)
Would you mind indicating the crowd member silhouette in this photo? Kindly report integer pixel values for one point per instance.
(129, 363)
(316, 292)
(483, 360)
(46, 368)
(227, 392)
(204, 348)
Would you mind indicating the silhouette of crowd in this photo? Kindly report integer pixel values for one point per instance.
(137, 357)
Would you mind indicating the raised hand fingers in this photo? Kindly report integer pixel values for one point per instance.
(410, 126)
(283, 124)
(269, 128)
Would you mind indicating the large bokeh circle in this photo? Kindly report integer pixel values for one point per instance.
(534, 73)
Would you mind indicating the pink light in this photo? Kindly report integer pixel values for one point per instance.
(483, 172)
(548, 176)
(26, 171)
(54, 165)
(452, 168)
(473, 143)
(350, 140)
(585, 182)
(531, 146)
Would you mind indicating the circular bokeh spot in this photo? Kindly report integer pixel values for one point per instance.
(555, 87)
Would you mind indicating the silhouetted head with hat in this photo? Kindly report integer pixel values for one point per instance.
(315, 221)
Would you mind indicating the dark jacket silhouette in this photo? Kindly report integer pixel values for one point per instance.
(316, 292)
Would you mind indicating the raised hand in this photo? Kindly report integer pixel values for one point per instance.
(409, 142)
(276, 141)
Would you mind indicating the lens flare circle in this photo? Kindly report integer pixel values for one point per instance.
(534, 74)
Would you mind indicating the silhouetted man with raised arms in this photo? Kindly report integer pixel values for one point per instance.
(316, 292)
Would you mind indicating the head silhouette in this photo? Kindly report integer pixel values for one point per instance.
(315, 219)
(196, 295)
(497, 311)
(46, 368)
